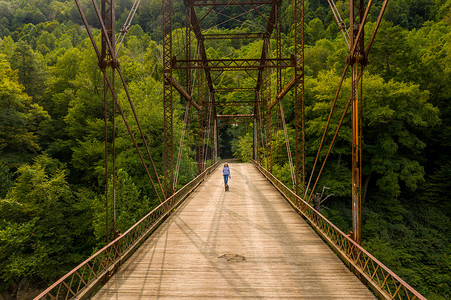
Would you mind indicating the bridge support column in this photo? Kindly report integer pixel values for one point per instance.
(215, 137)
(107, 15)
(299, 97)
(167, 99)
(254, 142)
(356, 99)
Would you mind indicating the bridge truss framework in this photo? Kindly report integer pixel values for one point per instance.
(83, 280)
(267, 106)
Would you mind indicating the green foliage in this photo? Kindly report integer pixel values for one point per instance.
(20, 119)
(242, 148)
(51, 101)
(6, 179)
(131, 206)
(36, 225)
(31, 69)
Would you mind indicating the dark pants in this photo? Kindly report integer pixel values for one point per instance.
(226, 179)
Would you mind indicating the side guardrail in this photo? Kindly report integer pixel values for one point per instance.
(83, 281)
(366, 267)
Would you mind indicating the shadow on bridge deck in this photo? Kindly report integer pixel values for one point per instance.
(245, 243)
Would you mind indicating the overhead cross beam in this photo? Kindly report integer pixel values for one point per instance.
(200, 41)
(236, 116)
(223, 36)
(284, 91)
(233, 64)
(271, 25)
(229, 2)
(183, 92)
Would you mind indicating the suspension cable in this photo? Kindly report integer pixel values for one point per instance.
(287, 142)
(140, 129)
(207, 136)
(124, 84)
(113, 55)
(130, 133)
(327, 125)
(126, 27)
(340, 22)
(384, 5)
(330, 147)
(182, 137)
(179, 157)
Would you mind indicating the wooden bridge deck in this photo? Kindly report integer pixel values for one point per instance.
(245, 243)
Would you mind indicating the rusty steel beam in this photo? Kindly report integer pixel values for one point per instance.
(235, 90)
(107, 14)
(232, 103)
(236, 116)
(195, 25)
(167, 99)
(284, 91)
(229, 36)
(299, 97)
(356, 51)
(229, 64)
(271, 25)
(111, 87)
(231, 122)
(229, 2)
(184, 93)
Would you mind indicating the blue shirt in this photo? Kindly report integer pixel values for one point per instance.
(225, 171)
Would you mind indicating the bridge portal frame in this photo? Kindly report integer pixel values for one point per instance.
(262, 65)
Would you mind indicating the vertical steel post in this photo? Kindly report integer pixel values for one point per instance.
(200, 129)
(299, 96)
(356, 143)
(116, 232)
(261, 114)
(266, 99)
(278, 49)
(188, 48)
(212, 131)
(215, 134)
(254, 141)
(255, 131)
(167, 98)
(108, 17)
(215, 128)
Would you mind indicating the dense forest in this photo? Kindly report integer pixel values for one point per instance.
(52, 177)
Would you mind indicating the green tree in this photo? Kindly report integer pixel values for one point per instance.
(131, 206)
(6, 179)
(31, 69)
(36, 228)
(20, 119)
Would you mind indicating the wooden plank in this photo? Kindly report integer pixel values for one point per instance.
(245, 243)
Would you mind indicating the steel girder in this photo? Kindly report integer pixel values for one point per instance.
(108, 17)
(229, 2)
(229, 36)
(167, 99)
(234, 103)
(356, 7)
(299, 96)
(262, 65)
(233, 64)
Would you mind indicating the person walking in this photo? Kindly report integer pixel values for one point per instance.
(226, 174)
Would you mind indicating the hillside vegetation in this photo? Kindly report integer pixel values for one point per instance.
(52, 177)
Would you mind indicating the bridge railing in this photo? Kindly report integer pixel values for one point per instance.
(83, 281)
(367, 268)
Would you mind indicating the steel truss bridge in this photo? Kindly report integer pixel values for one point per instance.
(196, 77)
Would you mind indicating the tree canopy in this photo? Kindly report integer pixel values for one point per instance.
(52, 169)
